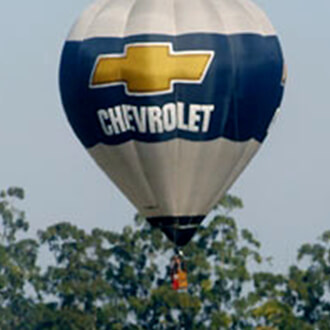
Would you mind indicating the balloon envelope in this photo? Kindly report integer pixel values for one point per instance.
(172, 99)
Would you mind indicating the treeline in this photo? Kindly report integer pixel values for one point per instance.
(110, 280)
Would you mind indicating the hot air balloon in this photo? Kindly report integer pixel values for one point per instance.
(172, 99)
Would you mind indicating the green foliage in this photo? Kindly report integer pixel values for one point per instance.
(107, 280)
(17, 263)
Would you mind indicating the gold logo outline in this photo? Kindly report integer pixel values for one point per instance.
(211, 53)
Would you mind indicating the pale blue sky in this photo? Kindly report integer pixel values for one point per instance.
(285, 189)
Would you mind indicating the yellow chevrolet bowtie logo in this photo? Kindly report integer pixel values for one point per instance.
(150, 68)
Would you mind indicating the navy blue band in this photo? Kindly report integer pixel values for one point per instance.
(243, 83)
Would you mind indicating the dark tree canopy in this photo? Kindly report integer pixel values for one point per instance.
(109, 280)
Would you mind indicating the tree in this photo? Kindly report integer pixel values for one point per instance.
(301, 299)
(118, 278)
(17, 264)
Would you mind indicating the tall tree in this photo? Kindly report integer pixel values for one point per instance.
(123, 279)
(18, 268)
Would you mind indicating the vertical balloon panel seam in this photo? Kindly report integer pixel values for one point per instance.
(138, 155)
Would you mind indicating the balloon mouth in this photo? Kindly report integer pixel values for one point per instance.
(179, 230)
